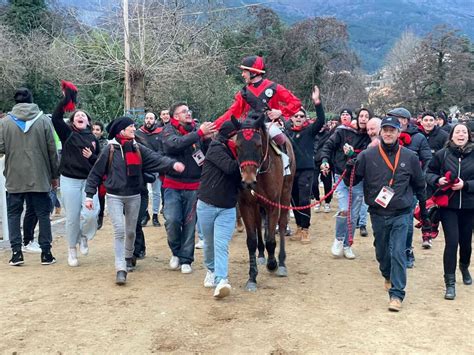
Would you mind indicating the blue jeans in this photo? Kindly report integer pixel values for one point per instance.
(217, 225)
(410, 224)
(342, 232)
(363, 215)
(390, 233)
(156, 195)
(80, 221)
(180, 222)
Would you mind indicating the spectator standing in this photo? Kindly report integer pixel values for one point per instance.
(26, 139)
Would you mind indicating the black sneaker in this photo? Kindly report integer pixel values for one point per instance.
(140, 256)
(100, 221)
(145, 219)
(121, 278)
(17, 258)
(363, 231)
(131, 263)
(410, 258)
(156, 221)
(47, 258)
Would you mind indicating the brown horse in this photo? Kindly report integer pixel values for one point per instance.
(262, 170)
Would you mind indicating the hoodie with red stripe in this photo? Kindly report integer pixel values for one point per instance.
(180, 144)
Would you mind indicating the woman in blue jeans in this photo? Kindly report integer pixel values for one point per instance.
(217, 198)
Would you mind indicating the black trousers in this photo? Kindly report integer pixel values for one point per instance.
(301, 196)
(29, 223)
(457, 227)
(327, 182)
(40, 203)
(140, 236)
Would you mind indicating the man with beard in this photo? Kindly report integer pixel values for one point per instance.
(149, 136)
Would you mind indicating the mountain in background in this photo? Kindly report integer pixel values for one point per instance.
(374, 25)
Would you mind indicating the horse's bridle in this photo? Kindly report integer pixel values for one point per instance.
(246, 133)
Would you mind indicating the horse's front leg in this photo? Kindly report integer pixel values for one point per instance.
(252, 222)
(270, 242)
(282, 223)
(261, 245)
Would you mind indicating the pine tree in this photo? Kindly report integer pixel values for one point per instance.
(25, 15)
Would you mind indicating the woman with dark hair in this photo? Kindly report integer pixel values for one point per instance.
(80, 149)
(452, 172)
(442, 121)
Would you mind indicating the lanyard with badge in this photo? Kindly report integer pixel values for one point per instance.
(198, 155)
(386, 194)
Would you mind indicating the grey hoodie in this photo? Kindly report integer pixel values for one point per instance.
(31, 159)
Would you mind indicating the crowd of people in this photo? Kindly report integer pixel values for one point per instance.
(387, 168)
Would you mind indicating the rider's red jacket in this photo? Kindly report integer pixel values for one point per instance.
(260, 96)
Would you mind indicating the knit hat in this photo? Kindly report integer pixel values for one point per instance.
(400, 112)
(227, 130)
(253, 64)
(346, 110)
(23, 95)
(117, 125)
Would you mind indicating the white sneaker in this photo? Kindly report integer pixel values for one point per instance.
(327, 208)
(348, 253)
(72, 258)
(426, 244)
(317, 208)
(209, 280)
(174, 263)
(186, 269)
(222, 289)
(337, 248)
(200, 244)
(32, 247)
(83, 246)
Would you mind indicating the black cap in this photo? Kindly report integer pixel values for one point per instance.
(390, 121)
(227, 129)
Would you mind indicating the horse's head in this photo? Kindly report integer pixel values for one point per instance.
(249, 144)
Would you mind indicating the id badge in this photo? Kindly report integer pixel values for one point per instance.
(199, 157)
(385, 196)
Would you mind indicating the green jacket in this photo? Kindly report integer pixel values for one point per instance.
(31, 159)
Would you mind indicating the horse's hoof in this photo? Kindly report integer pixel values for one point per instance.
(251, 286)
(272, 265)
(261, 260)
(282, 271)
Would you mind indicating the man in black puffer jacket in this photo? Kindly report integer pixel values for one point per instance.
(436, 136)
(301, 134)
(183, 142)
(391, 176)
(345, 144)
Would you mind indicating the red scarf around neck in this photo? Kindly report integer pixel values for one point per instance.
(132, 156)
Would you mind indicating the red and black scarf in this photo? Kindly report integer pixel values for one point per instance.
(132, 156)
(182, 129)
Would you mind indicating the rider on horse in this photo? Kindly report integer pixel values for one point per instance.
(262, 95)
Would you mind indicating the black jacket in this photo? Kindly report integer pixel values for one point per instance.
(461, 164)
(437, 138)
(408, 179)
(181, 147)
(419, 145)
(333, 148)
(117, 181)
(303, 140)
(150, 138)
(319, 141)
(220, 178)
(73, 164)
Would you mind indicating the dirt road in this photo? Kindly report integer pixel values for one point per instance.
(324, 306)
